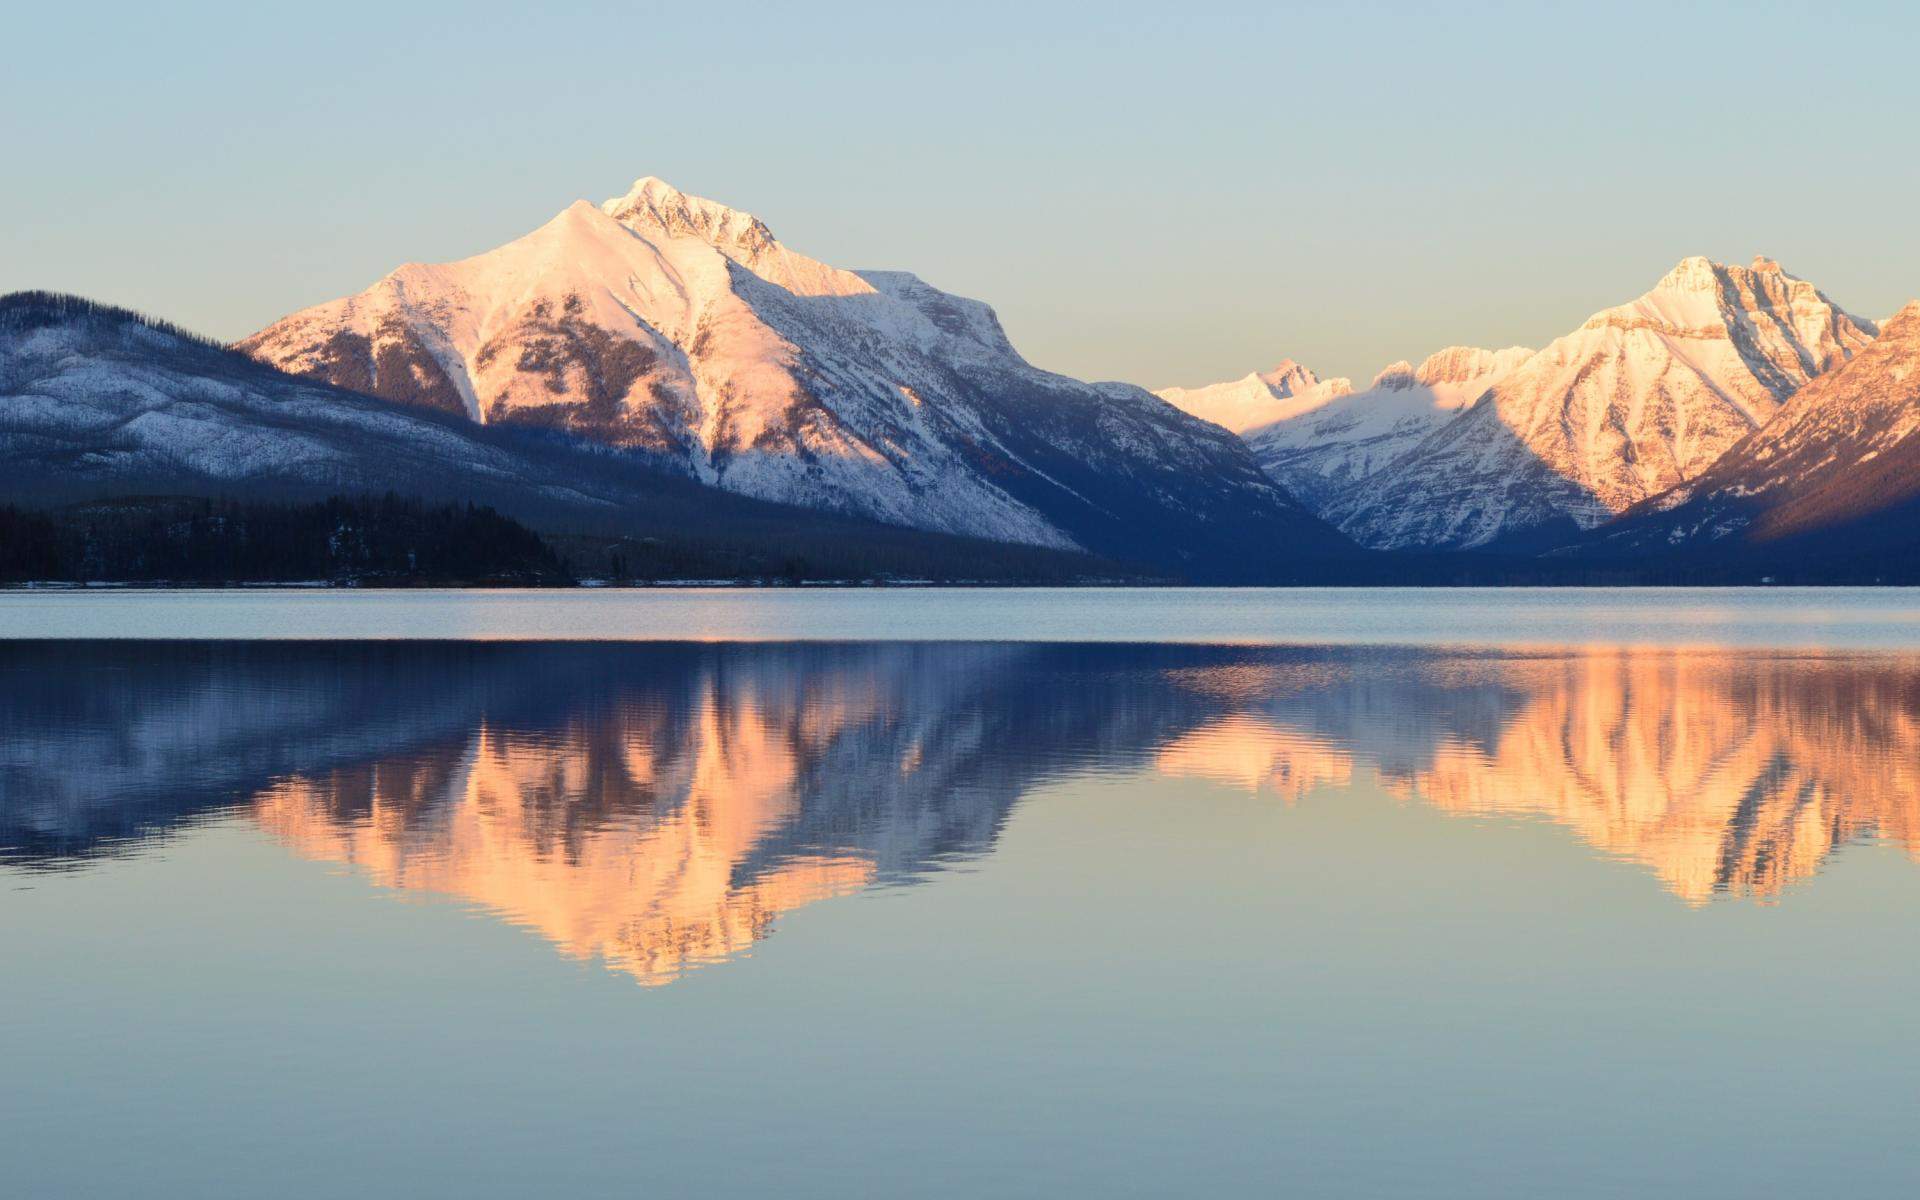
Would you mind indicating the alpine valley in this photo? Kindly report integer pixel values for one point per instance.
(659, 377)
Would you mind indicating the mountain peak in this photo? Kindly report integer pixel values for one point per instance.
(654, 203)
(1698, 273)
(1464, 364)
(1903, 324)
(1395, 376)
(1288, 378)
(1695, 273)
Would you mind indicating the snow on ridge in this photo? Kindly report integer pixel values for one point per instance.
(1258, 399)
(1468, 364)
(657, 202)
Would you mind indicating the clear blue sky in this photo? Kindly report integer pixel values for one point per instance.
(1172, 193)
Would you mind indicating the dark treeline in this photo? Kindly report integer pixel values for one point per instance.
(395, 541)
(23, 312)
(799, 556)
(366, 539)
(1472, 569)
(392, 540)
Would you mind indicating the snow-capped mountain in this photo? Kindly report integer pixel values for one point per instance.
(1259, 399)
(675, 325)
(1639, 399)
(1835, 472)
(1318, 453)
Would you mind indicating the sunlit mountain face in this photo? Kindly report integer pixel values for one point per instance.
(656, 807)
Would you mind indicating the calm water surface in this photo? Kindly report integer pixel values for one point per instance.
(1821, 617)
(1619, 918)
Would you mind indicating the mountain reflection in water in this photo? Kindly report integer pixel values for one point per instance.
(659, 806)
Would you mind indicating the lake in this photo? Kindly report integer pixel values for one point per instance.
(959, 893)
(1813, 617)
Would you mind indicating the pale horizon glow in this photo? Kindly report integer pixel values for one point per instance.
(1168, 199)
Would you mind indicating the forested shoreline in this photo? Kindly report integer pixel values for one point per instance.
(397, 541)
(344, 539)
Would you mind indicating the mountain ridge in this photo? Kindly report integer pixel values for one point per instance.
(1259, 398)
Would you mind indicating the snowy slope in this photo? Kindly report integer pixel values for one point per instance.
(1260, 399)
(1321, 452)
(663, 322)
(1640, 398)
(1836, 470)
(92, 397)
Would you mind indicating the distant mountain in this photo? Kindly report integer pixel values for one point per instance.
(1835, 475)
(1639, 399)
(1258, 400)
(98, 402)
(665, 323)
(1325, 451)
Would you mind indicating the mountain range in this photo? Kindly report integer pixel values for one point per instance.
(1528, 450)
(661, 366)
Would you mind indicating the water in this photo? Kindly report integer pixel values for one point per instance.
(1444, 917)
(1818, 617)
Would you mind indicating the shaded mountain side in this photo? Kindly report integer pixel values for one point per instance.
(1480, 487)
(1321, 438)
